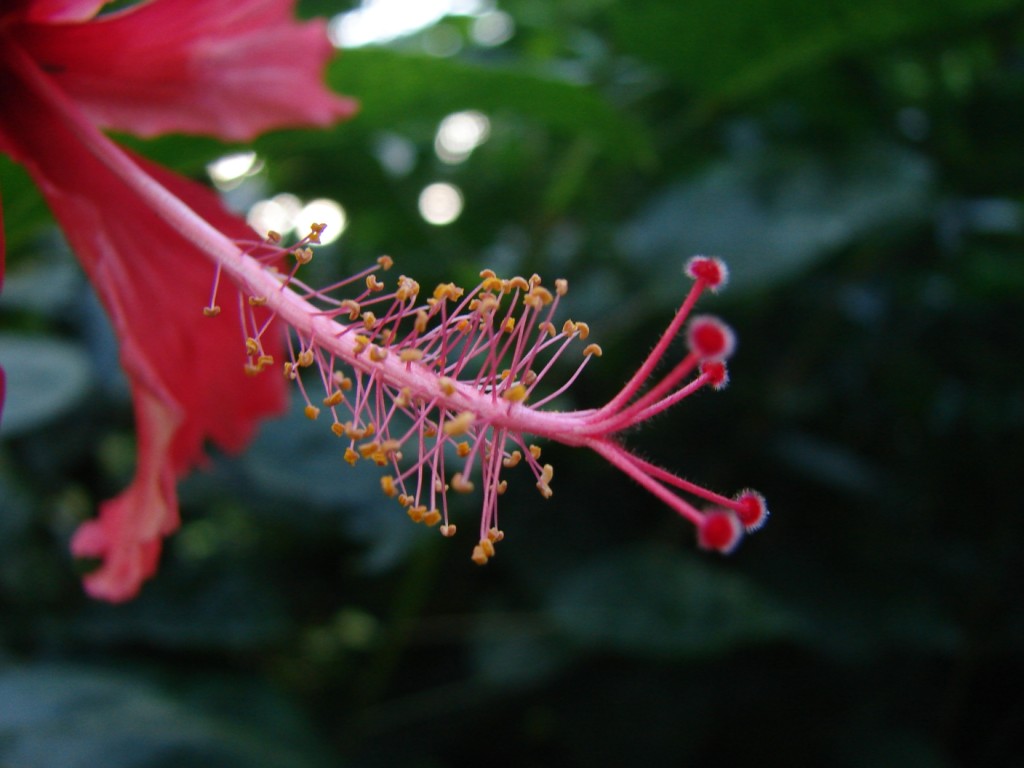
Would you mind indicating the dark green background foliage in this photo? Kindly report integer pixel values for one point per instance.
(860, 166)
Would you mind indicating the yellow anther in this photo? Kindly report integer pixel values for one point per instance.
(385, 262)
(495, 534)
(338, 428)
(369, 320)
(409, 355)
(487, 546)
(448, 291)
(479, 557)
(462, 449)
(544, 484)
(403, 398)
(538, 297)
(390, 447)
(463, 326)
(315, 230)
(334, 398)
(378, 354)
(447, 386)
(535, 451)
(387, 484)
(592, 349)
(561, 286)
(373, 285)
(547, 327)
(440, 487)
(420, 324)
(510, 461)
(459, 424)
(273, 237)
(535, 280)
(312, 412)
(212, 311)
(502, 487)
(417, 513)
(486, 304)
(487, 274)
(509, 325)
(361, 342)
(583, 329)
(305, 358)
(518, 283)
(429, 429)
(252, 370)
(352, 307)
(407, 288)
(447, 530)
(366, 450)
(515, 394)
(289, 371)
(491, 284)
(344, 382)
(304, 255)
(529, 377)
(404, 500)
(264, 361)
(252, 347)
(257, 301)
(461, 484)
(432, 518)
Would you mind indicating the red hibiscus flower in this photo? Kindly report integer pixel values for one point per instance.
(228, 68)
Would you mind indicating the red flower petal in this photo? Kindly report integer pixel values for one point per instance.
(185, 370)
(55, 11)
(230, 68)
(130, 528)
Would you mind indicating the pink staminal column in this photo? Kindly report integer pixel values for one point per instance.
(446, 389)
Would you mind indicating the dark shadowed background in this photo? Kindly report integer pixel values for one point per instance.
(861, 168)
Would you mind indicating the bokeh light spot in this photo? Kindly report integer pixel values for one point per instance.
(440, 203)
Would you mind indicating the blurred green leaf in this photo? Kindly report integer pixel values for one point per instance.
(45, 289)
(772, 216)
(24, 210)
(731, 50)
(225, 607)
(299, 470)
(80, 718)
(647, 600)
(45, 378)
(516, 652)
(392, 87)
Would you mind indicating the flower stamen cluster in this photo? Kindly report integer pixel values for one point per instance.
(443, 388)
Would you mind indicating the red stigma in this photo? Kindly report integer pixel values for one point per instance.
(708, 269)
(709, 337)
(751, 509)
(720, 530)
